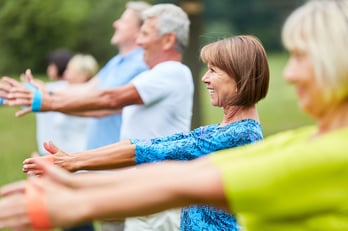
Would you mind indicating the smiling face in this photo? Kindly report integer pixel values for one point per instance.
(300, 72)
(222, 88)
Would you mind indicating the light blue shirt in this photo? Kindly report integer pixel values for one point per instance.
(117, 72)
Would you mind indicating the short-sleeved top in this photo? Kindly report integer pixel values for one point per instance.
(120, 70)
(290, 181)
(167, 93)
(188, 146)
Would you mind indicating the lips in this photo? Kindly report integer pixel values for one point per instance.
(211, 90)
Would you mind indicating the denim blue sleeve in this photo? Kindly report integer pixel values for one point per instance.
(206, 140)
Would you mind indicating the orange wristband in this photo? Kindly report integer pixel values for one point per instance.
(36, 208)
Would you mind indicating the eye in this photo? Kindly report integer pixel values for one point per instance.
(211, 69)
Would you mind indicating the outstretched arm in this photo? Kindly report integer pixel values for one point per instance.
(112, 156)
(165, 185)
(69, 102)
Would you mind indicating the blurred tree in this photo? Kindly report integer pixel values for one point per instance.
(96, 30)
(30, 29)
(194, 9)
(260, 18)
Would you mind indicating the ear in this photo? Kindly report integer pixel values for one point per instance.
(168, 41)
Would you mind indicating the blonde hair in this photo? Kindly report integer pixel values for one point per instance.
(320, 28)
(84, 64)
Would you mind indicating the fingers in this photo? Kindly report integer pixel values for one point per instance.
(36, 168)
(30, 166)
(6, 85)
(55, 173)
(18, 187)
(19, 97)
(51, 147)
(13, 213)
(11, 82)
(23, 112)
(28, 75)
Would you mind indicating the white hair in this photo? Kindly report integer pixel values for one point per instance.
(320, 28)
(138, 7)
(171, 19)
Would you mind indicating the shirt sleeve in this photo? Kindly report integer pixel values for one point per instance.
(197, 144)
(282, 177)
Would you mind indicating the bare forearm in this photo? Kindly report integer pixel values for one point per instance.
(106, 99)
(71, 103)
(154, 188)
(95, 113)
(118, 155)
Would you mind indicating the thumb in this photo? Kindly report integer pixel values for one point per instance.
(28, 76)
(51, 147)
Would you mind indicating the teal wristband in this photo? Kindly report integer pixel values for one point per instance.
(37, 99)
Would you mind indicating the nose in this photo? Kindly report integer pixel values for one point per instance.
(205, 78)
(289, 71)
(115, 23)
(139, 39)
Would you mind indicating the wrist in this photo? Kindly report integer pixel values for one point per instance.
(73, 163)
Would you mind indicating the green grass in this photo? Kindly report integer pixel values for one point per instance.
(278, 112)
(17, 141)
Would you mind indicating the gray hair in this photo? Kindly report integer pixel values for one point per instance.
(171, 19)
(320, 28)
(138, 7)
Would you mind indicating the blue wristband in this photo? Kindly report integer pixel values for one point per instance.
(37, 99)
(2, 101)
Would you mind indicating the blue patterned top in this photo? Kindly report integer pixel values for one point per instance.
(194, 144)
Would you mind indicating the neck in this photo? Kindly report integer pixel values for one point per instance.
(125, 49)
(335, 118)
(237, 113)
(165, 57)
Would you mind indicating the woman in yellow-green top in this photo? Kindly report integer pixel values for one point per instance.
(293, 181)
(289, 182)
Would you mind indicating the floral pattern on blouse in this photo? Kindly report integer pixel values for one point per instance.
(192, 145)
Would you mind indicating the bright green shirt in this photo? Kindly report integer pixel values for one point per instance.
(289, 181)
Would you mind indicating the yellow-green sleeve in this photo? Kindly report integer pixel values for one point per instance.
(288, 174)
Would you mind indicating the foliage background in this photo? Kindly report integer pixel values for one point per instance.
(37, 27)
(30, 29)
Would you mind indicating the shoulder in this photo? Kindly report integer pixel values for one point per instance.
(244, 131)
(248, 125)
(172, 67)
